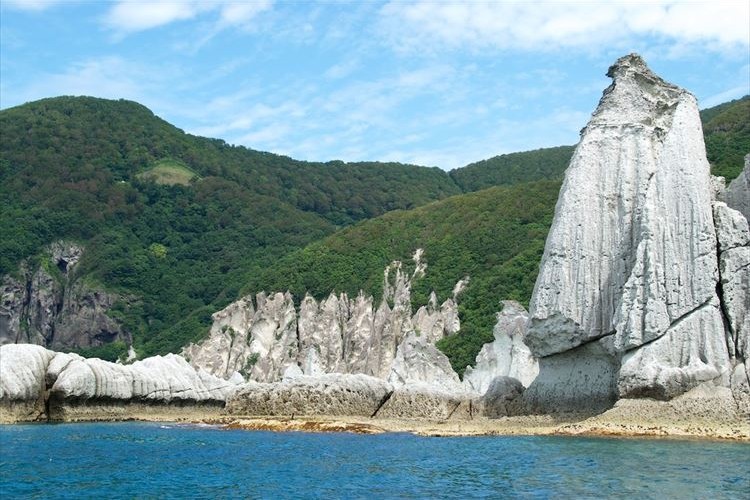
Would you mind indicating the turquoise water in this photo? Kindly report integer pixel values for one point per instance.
(144, 460)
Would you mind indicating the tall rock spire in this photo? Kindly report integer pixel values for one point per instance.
(630, 264)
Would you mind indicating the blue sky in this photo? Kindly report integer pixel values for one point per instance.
(433, 83)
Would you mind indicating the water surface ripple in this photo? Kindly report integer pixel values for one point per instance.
(151, 460)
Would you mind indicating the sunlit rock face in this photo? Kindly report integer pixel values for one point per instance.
(507, 355)
(39, 384)
(262, 340)
(737, 194)
(628, 282)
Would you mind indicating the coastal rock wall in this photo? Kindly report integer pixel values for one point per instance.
(737, 194)
(39, 384)
(336, 335)
(507, 355)
(642, 289)
(327, 394)
(48, 305)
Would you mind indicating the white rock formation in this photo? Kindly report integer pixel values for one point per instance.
(737, 194)
(328, 394)
(226, 350)
(632, 245)
(630, 269)
(162, 379)
(733, 237)
(507, 355)
(419, 364)
(337, 335)
(22, 381)
(30, 375)
(258, 341)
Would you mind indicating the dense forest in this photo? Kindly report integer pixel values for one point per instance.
(726, 128)
(179, 225)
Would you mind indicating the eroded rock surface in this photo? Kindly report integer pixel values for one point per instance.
(327, 394)
(335, 335)
(36, 383)
(50, 306)
(632, 247)
(419, 362)
(507, 355)
(22, 381)
(640, 272)
(737, 194)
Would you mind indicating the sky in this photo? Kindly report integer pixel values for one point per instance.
(432, 83)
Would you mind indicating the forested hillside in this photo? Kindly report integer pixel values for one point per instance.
(179, 225)
(514, 168)
(107, 174)
(726, 128)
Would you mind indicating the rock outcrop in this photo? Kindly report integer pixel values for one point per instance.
(335, 335)
(626, 301)
(23, 370)
(507, 355)
(737, 194)
(327, 394)
(50, 306)
(38, 384)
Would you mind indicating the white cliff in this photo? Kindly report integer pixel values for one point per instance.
(335, 335)
(507, 355)
(36, 383)
(632, 245)
(626, 300)
(737, 194)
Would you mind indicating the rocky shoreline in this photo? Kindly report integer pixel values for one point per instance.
(540, 425)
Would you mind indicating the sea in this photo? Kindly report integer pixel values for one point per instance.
(158, 460)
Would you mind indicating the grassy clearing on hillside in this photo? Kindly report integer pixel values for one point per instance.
(169, 172)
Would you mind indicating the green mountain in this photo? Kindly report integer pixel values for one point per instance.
(179, 225)
(726, 129)
(514, 168)
(171, 221)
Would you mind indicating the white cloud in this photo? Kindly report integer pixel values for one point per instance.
(32, 5)
(240, 13)
(131, 16)
(107, 77)
(342, 69)
(727, 95)
(547, 25)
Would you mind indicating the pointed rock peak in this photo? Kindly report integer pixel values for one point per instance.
(633, 67)
(460, 287)
(432, 302)
(511, 308)
(626, 65)
(637, 97)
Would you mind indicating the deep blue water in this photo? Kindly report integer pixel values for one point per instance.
(144, 460)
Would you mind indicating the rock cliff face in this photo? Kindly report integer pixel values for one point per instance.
(336, 335)
(38, 384)
(508, 355)
(630, 300)
(49, 306)
(737, 194)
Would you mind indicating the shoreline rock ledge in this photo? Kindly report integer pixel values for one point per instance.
(636, 295)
